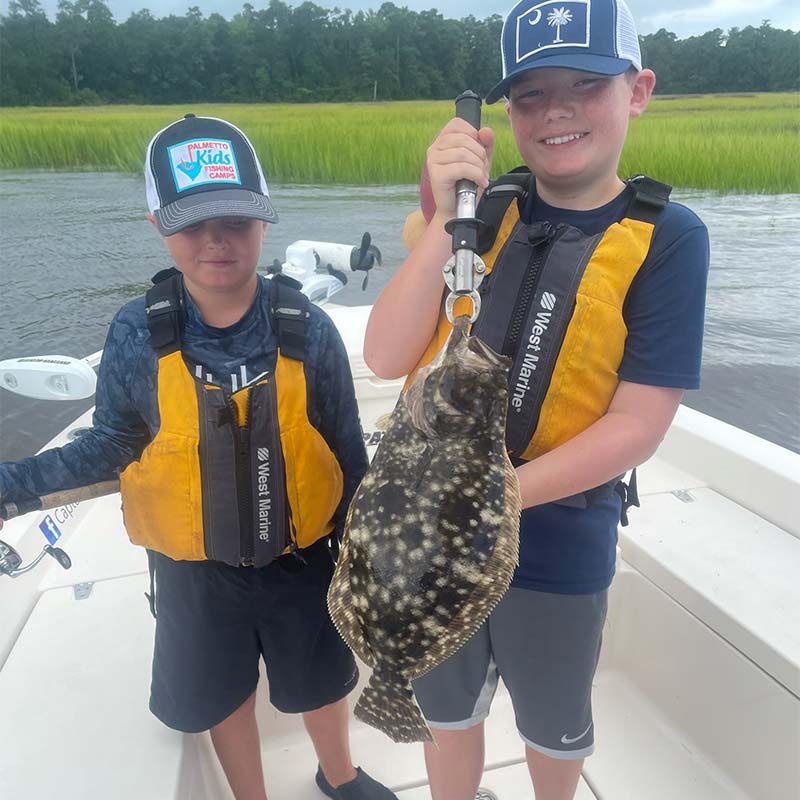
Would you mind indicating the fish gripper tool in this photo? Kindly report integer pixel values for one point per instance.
(465, 269)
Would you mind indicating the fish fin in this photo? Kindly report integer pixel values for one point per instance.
(382, 423)
(341, 605)
(387, 703)
(498, 572)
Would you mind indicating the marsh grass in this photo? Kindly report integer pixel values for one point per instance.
(742, 143)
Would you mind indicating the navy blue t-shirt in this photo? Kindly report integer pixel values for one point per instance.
(569, 550)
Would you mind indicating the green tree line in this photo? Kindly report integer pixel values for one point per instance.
(309, 53)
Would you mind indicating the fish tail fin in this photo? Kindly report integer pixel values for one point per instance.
(387, 703)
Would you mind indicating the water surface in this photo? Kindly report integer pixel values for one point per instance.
(76, 246)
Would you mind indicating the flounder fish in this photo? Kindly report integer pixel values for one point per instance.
(432, 535)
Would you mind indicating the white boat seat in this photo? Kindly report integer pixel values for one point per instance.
(708, 553)
(74, 693)
(680, 713)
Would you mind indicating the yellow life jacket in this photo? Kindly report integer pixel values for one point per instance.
(239, 478)
(552, 300)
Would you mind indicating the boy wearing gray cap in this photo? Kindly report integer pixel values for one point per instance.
(596, 291)
(226, 406)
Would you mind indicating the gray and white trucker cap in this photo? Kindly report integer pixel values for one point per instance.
(201, 168)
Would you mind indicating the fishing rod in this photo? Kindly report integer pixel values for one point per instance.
(66, 497)
(465, 269)
(10, 560)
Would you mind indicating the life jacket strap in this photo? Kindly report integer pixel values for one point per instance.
(151, 566)
(627, 491)
(630, 496)
(650, 198)
(495, 202)
(590, 496)
(288, 308)
(165, 313)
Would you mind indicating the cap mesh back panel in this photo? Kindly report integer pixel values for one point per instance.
(627, 40)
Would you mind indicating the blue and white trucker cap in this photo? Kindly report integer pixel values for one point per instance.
(201, 168)
(590, 35)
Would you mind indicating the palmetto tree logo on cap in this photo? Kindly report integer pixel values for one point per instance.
(533, 29)
(557, 19)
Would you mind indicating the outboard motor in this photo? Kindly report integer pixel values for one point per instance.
(307, 261)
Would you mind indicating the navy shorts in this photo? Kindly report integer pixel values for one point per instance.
(215, 621)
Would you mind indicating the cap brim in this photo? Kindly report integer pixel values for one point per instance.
(199, 207)
(583, 62)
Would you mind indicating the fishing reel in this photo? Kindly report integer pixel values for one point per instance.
(11, 561)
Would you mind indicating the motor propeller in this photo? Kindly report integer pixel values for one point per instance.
(365, 257)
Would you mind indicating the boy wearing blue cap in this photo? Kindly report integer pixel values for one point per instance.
(226, 406)
(596, 291)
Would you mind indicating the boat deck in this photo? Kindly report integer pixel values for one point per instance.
(697, 694)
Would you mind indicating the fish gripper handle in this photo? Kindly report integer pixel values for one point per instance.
(468, 108)
(465, 270)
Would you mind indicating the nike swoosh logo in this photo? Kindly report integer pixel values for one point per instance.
(566, 739)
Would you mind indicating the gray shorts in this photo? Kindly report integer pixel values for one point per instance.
(545, 647)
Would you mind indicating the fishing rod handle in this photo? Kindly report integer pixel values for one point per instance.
(56, 499)
(11, 510)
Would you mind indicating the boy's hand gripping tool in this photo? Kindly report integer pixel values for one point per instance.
(465, 269)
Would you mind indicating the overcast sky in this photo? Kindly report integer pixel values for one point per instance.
(683, 17)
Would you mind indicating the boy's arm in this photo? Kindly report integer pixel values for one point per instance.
(403, 319)
(117, 436)
(337, 412)
(627, 435)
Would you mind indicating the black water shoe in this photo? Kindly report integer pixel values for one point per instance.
(362, 787)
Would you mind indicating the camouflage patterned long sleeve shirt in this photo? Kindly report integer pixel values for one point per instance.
(126, 415)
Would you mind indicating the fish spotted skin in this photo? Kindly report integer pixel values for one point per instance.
(432, 536)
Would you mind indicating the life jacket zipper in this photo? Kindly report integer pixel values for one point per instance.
(244, 492)
(547, 235)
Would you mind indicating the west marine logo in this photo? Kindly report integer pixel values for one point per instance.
(552, 24)
(533, 346)
(264, 497)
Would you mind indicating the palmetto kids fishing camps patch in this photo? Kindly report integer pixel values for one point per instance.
(198, 161)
